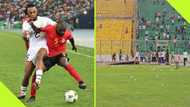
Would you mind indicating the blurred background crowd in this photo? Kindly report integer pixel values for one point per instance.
(72, 11)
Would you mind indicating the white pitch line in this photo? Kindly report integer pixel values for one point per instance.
(81, 54)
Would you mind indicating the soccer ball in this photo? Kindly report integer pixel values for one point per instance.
(71, 96)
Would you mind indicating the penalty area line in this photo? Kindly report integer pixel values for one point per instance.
(81, 54)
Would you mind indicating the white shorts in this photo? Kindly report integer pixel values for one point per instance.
(32, 52)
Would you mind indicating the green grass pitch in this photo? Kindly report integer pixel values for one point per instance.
(55, 82)
(143, 86)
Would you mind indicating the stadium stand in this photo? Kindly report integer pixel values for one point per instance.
(114, 29)
(118, 8)
(153, 27)
(113, 32)
(115, 26)
(159, 24)
(12, 11)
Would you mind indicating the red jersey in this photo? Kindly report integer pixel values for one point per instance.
(56, 44)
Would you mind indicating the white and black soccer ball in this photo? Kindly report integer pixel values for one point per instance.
(71, 96)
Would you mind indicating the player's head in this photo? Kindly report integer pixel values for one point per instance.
(31, 11)
(60, 27)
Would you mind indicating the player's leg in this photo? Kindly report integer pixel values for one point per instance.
(48, 63)
(29, 67)
(177, 64)
(39, 64)
(33, 90)
(184, 61)
(72, 71)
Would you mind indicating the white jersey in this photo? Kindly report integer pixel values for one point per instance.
(185, 54)
(36, 41)
(163, 54)
(137, 54)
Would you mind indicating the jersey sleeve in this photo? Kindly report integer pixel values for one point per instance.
(49, 21)
(46, 23)
(69, 35)
(25, 27)
(43, 22)
(47, 28)
(44, 29)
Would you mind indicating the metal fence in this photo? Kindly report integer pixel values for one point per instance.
(105, 49)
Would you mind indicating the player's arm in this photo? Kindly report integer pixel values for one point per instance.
(26, 41)
(72, 41)
(36, 29)
(26, 34)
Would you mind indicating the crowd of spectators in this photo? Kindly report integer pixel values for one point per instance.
(13, 10)
(162, 23)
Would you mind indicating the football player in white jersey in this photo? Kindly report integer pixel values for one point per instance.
(36, 42)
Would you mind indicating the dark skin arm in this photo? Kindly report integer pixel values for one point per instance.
(72, 41)
(26, 41)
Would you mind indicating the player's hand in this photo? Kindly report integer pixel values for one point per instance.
(26, 35)
(74, 48)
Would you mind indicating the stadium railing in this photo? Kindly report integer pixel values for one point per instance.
(106, 48)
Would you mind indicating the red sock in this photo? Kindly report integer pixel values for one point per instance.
(73, 72)
(33, 87)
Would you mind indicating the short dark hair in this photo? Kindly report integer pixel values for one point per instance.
(61, 27)
(29, 5)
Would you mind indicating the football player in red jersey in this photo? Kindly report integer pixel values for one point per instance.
(57, 37)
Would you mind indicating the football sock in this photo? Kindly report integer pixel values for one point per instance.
(23, 90)
(73, 72)
(33, 87)
(39, 74)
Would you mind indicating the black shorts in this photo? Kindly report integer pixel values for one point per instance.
(49, 62)
(153, 59)
(185, 59)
